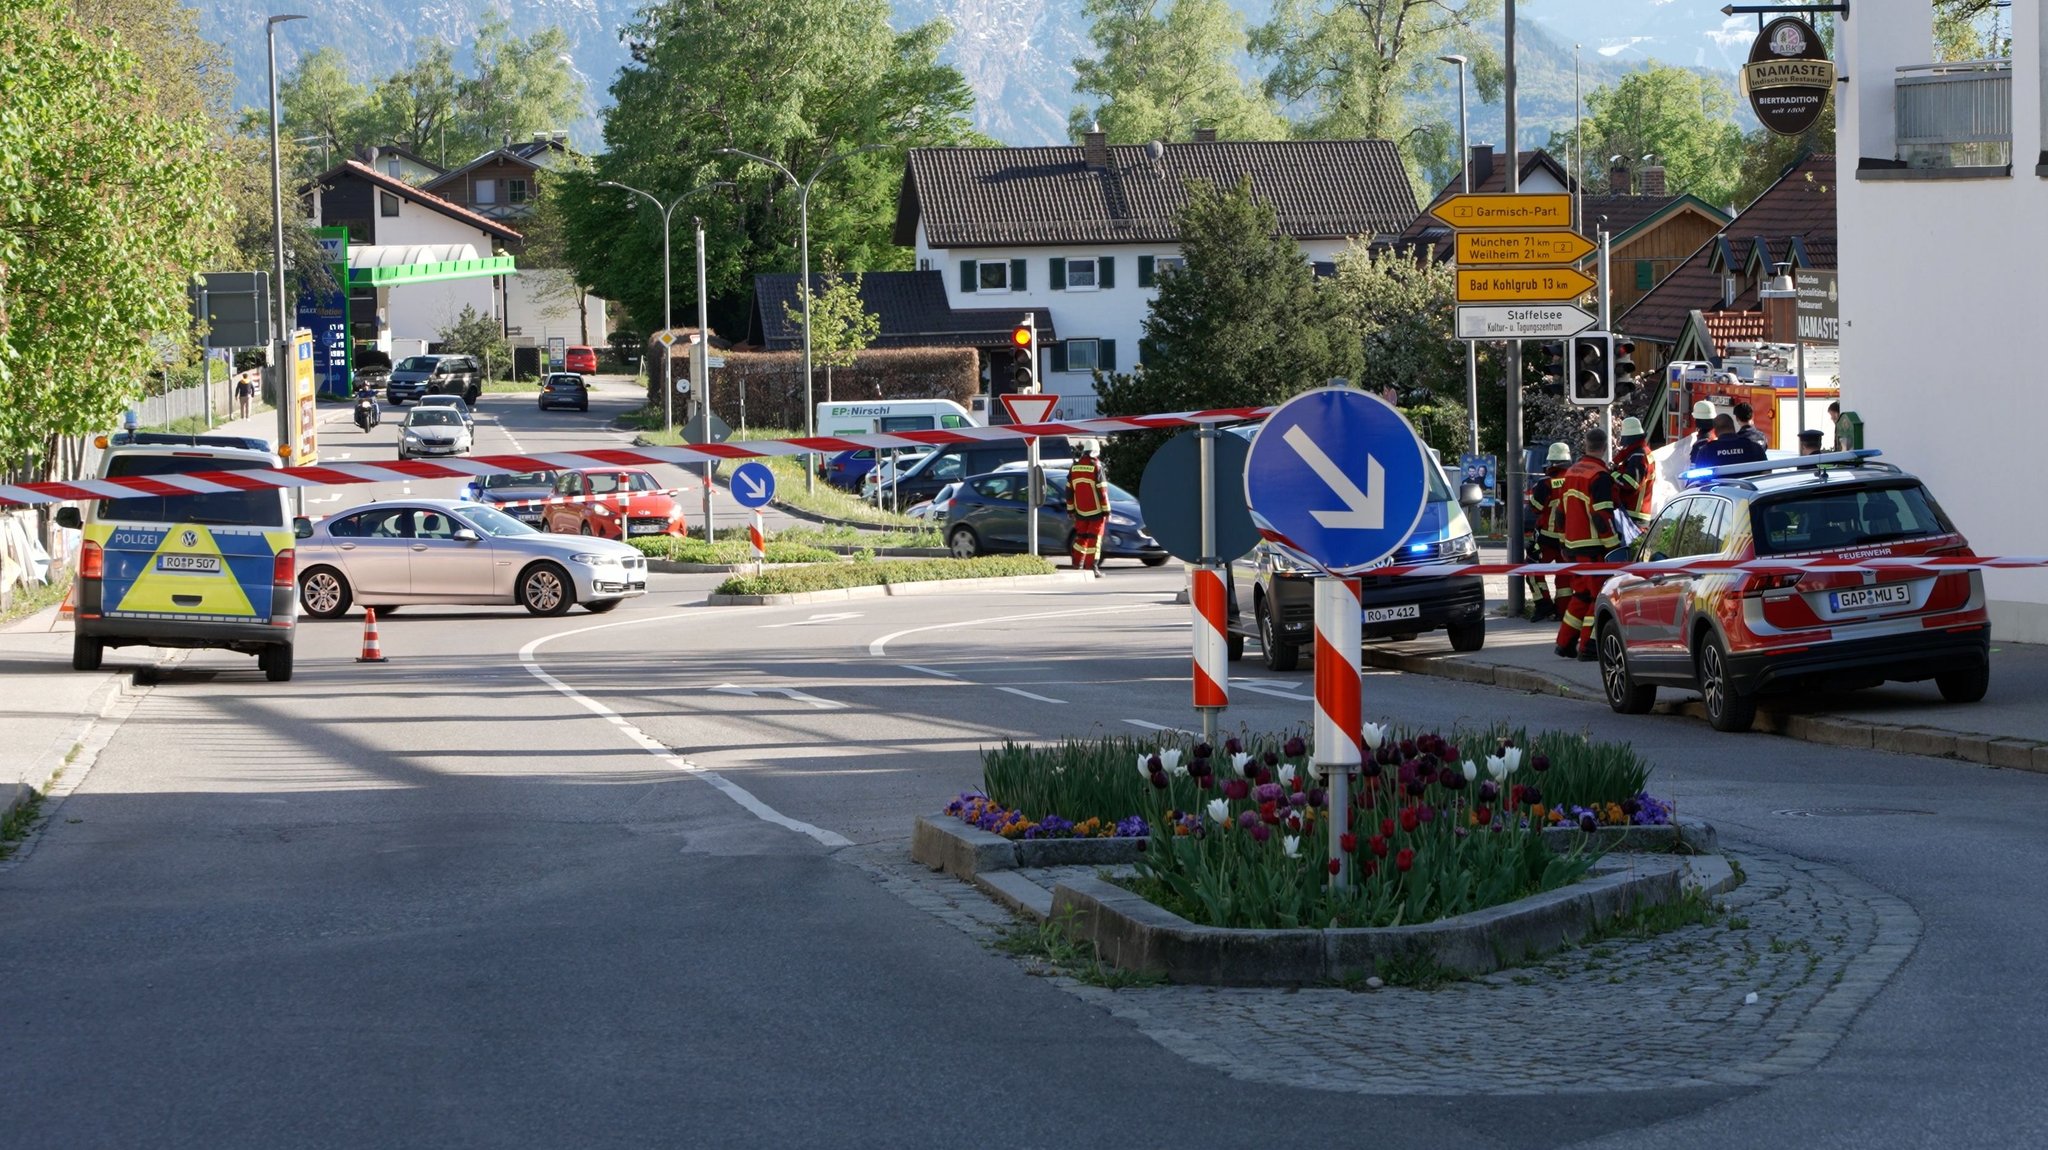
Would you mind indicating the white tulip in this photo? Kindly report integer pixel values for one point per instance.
(1171, 757)
(1291, 846)
(1471, 771)
(1239, 761)
(1144, 767)
(1287, 774)
(1374, 736)
(1514, 759)
(1497, 767)
(1219, 810)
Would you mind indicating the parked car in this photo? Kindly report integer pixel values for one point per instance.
(452, 551)
(876, 484)
(419, 375)
(515, 487)
(988, 513)
(1739, 636)
(954, 462)
(933, 510)
(564, 389)
(453, 403)
(580, 360)
(433, 431)
(615, 503)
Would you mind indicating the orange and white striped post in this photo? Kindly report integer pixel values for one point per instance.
(1211, 667)
(1340, 712)
(760, 540)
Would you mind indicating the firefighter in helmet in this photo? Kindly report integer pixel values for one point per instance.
(1635, 475)
(1088, 504)
(1586, 518)
(1539, 538)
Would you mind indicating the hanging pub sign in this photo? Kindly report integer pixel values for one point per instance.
(1789, 76)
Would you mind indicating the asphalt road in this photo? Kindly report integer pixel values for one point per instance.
(579, 882)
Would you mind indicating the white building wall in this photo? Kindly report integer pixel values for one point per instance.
(420, 311)
(1942, 289)
(537, 308)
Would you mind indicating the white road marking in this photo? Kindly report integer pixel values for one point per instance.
(879, 646)
(791, 692)
(1277, 689)
(928, 670)
(1158, 727)
(727, 787)
(1029, 695)
(835, 616)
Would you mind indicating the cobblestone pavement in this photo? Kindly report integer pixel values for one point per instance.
(1812, 942)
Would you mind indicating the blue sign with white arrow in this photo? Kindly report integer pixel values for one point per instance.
(753, 485)
(1339, 477)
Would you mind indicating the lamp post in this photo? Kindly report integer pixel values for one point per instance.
(803, 209)
(280, 344)
(1465, 167)
(668, 359)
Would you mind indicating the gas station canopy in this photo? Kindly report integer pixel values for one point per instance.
(398, 264)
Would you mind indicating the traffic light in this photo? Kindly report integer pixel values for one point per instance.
(1624, 363)
(1592, 369)
(1024, 342)
(1550, 357)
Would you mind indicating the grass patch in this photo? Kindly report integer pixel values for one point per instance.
(1417, 970)
(875, 574)
(31, 600)
(512, 387)
(186, 425)
(15, 824)
(821, 499)
(730, 550)
(839, 535)
(1055, 950)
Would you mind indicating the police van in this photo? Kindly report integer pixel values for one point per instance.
(169, 568)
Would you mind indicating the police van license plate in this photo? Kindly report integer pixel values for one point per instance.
(189, 564)
(1882, 595)
(1392, 614)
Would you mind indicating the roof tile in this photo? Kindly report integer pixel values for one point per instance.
(911, 306)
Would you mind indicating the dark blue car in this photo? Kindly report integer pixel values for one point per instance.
(846, 469)
(988, 514)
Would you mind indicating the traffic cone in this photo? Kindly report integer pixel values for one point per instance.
(372, 653)
(67, 611)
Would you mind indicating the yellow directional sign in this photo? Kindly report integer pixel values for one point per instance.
(1498, 212)
(1497, 248)
(1521, 285)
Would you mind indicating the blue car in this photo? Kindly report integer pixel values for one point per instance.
(846, 469)
(988, 515)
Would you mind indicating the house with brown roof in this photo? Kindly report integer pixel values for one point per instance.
(503, 183)
(1082, 234)
(1710, 300)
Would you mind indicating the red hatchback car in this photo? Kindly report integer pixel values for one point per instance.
(615, 503)
(1736, 637)
(581, 360)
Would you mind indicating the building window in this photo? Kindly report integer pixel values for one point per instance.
(395, 169)
(1080, 275)
(1084, 355)
(1081, 355)
(486, 192)
(515, 191)
(995, 275)
(1167, 265)
(387, 204)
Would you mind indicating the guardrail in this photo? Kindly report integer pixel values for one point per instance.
(1954, 115)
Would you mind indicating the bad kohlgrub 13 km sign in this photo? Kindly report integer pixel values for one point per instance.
(1789, 76)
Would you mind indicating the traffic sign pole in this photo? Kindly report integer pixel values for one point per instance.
(1339, 725)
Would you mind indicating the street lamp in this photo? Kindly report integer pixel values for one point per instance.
(280, 343)
(803, 208)
(1465, 166)
(668, 363)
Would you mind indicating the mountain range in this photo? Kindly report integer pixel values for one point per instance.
(1017, 55)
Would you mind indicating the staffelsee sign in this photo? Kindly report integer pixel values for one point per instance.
(1789, 77)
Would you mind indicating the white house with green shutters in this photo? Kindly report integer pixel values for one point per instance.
(1080, 235)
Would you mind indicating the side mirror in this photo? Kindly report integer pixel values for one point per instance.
(1471, 495)
(69, 517)
(302, 527)
(464, 535)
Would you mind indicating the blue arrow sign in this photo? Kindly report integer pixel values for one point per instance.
(1339, 477)
(753, 485)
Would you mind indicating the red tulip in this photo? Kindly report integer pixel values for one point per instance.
(1378, 845)
(1404, 860)
(1409, 821)
(1483, 814)
(1348, 843)
(1336, 866)
(1386, 826)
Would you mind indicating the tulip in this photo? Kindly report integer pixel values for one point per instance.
(1295, 748)
(1497, 766)
(1271, 759)
(1489, 791)
(1483, 814)
(1171, 757)
(1540, 763)
(1336, 866)
(1297, 800)
(1290, 845)
(1232, 747)
(1287, 774)
(1348, 843)
(1378, 844)
(1145, 766)
(1260, 833)
(1408, 748)
(1370, 768)
(1270, 792)
(1512, 757)
(1452, 781)
(1409, 819)
(1317, 797)
(1532, 796)
(1219, 811)
(1416, 788)
(1247, 819)
(1203, 750)
(1404, 860)
(1425, 813)
(1159, 779)
(1471, 770)
(1238, 759)
(1374, 735)
(1200, 769)
(1237, 789)
(1386, 826)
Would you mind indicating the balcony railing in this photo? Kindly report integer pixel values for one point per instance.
(1955, 115)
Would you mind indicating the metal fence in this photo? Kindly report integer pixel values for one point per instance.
(1954, 115)
(189, 403)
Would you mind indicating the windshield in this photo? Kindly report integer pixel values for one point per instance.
(415, 363)
(493, 522)
(432, 417)
(451, 402)
(606, 483)
(519, 479)
(260, 508)
(1826, 519)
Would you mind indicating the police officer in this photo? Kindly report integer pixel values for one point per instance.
(1088, 506)
(1809, 441)
(1727, 446)
(1586, 518)
(1539, 535)
(1635, 475)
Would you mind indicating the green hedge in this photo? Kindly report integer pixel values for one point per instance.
(875, 574)
(730, 550)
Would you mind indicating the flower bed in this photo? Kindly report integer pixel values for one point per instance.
(1239, 838)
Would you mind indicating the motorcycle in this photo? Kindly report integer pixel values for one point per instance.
(366, 411)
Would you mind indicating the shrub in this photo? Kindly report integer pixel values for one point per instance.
(875, 574)
(728, 551)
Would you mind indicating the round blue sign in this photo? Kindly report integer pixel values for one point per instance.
(1339, 477)
(753, 485)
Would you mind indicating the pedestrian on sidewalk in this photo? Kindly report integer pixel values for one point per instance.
(1539, 532)
(244, 391)
(1089, 508)
(1587, 531)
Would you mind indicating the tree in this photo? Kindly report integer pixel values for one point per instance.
(1403, 313)
(1241, 323)
(1970, 30)
(1684, 118)
(317, 98)
(105, 206)
(1352, 65)
(800, 81)
(519, 87)
(415, 106)
(477, 333)
(841, 325)
(1164, 67)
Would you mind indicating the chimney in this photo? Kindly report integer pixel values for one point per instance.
(1205, 135)
(1095, 147)
(1617, 180)
(1653, 181)
(1482, 163)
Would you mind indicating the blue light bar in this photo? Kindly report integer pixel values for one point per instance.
(1420, 548)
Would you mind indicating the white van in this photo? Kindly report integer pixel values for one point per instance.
(886, 415)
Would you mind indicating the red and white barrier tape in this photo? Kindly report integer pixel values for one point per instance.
(341, 474)
(566, 500)
(1707, 565)
(1211, 610)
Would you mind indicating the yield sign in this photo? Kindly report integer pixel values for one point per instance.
(1030, 408)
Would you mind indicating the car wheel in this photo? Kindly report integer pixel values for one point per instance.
(276, 662)
(545, 590)
(1964, 686)
(1233, 647)
(1467, 636)
(584, 529)
(584, 406)
(1279, 656)
(1154, 560)
(1726, 710)
(324, 593)
(963, 544)
(86, 652)
(1623, 693)
(602, 605)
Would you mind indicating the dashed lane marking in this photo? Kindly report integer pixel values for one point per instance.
(880, 646)
(1029, 695)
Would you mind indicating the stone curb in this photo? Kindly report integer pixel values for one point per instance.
(892, 590)
(45, 768)
(1828, 730)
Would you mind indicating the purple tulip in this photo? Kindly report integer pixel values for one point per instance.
(1200, 768)
(1271, 792)
(1248, 819)
(1261, 832)
(1370, 769)
(1540, 763)
(1318, 798)
(1236, 789)
(1451, 780)
(1232, 747)
(1155, 764)
(1159, 779)
(1489, 791)
(1270, 759)
(1297, 799)
(1203, 750)
(1295, 748)
(1417, 787)
(1408, 748)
